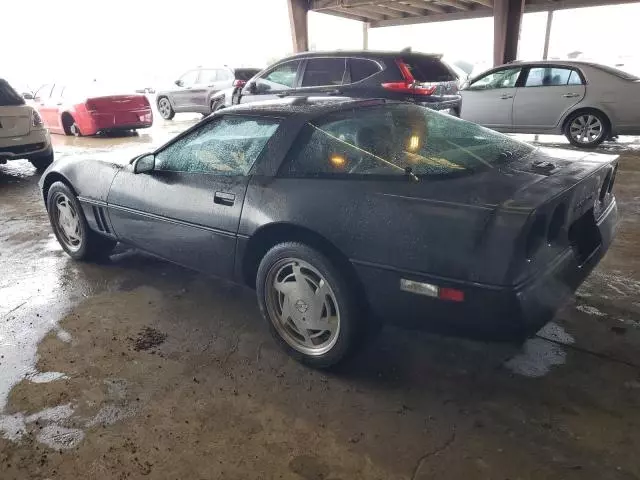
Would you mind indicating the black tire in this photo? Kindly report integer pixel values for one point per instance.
(572, 122)
(41, 162)
(343, 342)
(165, 109)
(90, 245)
(75, 130)
(216, 105)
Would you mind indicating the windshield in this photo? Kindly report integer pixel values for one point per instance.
(8, 96)
(398, 140)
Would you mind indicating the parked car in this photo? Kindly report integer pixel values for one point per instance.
(92, 108)
(586, 102)
(22, 132)
(405, 76)
(343, 212)
(196, 88)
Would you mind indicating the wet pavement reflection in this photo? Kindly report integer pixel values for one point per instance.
(175, 375)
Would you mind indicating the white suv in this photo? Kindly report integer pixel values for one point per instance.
(22, 132)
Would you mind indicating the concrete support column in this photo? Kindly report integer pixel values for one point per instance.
(507, 17)
(298, 15)
(547, 35)
(365, 35)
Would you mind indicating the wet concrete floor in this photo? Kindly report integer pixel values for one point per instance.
(138, 368)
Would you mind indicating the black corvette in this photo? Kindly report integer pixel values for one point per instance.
(344, 213)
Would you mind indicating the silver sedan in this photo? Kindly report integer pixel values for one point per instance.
(586, 102)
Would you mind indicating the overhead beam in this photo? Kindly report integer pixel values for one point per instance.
(383, 11)
(486, 3)
(361, 12)
(454, 4)
(408, 9)
(435, 17)
(426, 5)
(298, 13)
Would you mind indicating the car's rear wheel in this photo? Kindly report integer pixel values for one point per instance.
(216, 105)
(41, 162)
(587, 129)
(165, 108)
(310, 308)
(75, 130)
(70, 225)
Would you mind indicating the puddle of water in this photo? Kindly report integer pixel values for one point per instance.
(539, 355)
(45, 377)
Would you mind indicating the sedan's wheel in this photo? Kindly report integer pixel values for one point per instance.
(587, 129)
(309, 306)
(165, 108)
(75, 130)
(70, 225)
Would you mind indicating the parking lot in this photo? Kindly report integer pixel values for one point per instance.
(136, 367)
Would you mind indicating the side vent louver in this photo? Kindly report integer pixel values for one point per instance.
(101, 219)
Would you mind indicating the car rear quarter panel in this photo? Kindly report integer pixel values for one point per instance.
(392, 224)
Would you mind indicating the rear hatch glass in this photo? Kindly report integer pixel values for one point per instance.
(8, 96)
(245, 73)
(428, 69)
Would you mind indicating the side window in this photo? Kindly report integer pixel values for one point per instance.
(224, 74)
(320, 72)
(44, 92)
(574, 78)
(550, 77)
(506, 78)
(227, 146)
(189, 78)
(207, 76)
(361, 69)
(283, 77)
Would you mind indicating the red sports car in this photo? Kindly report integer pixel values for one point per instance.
(88, 110)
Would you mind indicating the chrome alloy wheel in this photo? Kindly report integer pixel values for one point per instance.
(67, 222)
(164, 107)
(586, 129)
(302, 306)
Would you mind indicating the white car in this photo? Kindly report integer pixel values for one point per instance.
(586, 102)
(22, 132)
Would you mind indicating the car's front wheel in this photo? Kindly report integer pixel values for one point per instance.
(165, 108)
(70, 225)
(587, 129)
(310, 308)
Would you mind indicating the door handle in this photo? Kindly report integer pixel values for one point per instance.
(224, 198)
(505, 96)
(571, 95)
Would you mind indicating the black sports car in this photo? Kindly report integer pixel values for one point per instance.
(345, 212)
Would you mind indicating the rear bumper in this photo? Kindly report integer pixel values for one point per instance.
(125, 120)
(34, 144)
(488, 311)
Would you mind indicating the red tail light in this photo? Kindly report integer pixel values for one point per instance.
(409, 85)
(451, 294)
(239, 83)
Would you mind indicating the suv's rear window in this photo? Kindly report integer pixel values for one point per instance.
(362, 68)
(8, 96)
(427, 69)
(245, 73)
(388, 140)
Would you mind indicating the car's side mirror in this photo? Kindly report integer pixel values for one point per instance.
(180, 83)
(27, 96)
(252, 87)
(144, 163)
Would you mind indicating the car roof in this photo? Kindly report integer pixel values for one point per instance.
(311, 106)
(364, 53)
(568, 63)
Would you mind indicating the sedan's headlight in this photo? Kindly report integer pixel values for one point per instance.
(36, 120)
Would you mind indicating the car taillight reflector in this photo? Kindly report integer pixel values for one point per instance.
(239, 83)
(430, 290)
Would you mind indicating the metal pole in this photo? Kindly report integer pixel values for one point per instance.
(547, 35)
(365, 35)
